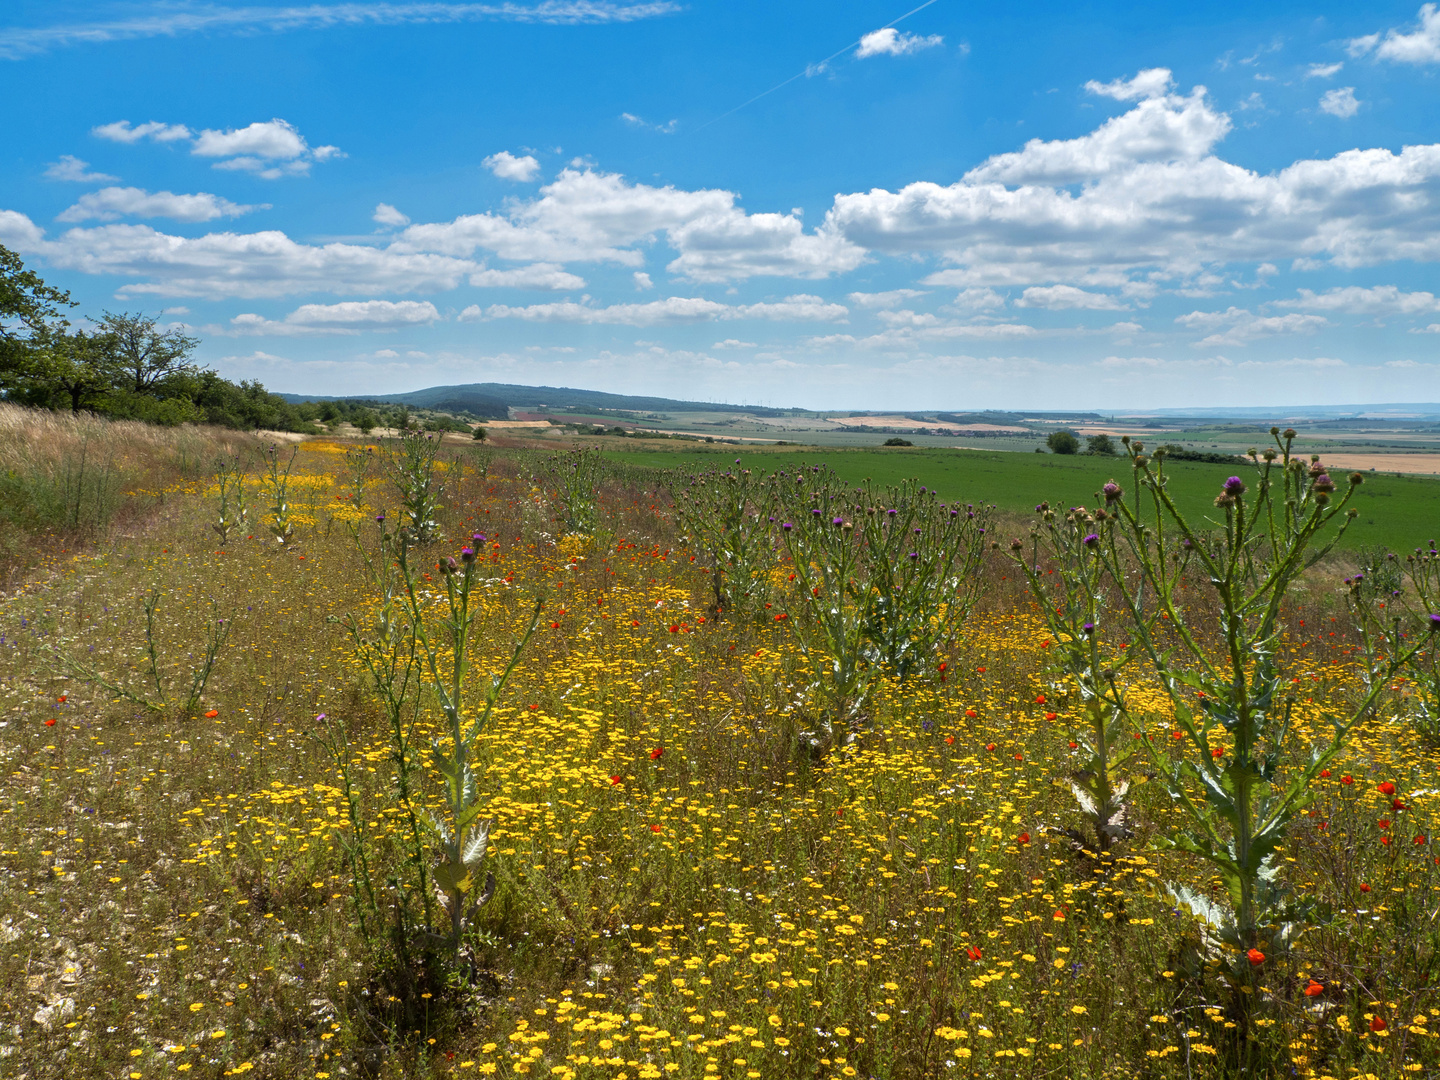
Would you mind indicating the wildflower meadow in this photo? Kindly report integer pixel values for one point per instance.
(406, 757)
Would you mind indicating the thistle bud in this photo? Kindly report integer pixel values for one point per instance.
(1289, 433)
(1112, 491)
(1323, 484)
(1016, 545)
(1356, 479)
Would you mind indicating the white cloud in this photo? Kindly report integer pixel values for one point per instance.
(385, 214)
(642, 280)
(1340, 102)
(1068, 298)
(1323, 71)
(121, 131)
(535, 276)
(674, 309)
(1433, 328)
(667, 128)
(270, 149)
(589, 216)
(884, 299)
(1159, 130)
(1420, 46)
(1237, 326)
(1150, 83)
(1150, 196)
(979, 299)
(734, 343)
(113, 203)
(72, 168)
(348, 318)
(1354, 299)
(18, 42)
(509, 167)
(226, 264)
(891, 42)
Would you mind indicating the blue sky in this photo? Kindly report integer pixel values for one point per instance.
(1098, 205)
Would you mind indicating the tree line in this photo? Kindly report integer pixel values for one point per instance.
(129, 366)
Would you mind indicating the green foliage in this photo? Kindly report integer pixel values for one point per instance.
(1101, 445)
(727, 518)
(276, 484)
(1063, 442)
(575, 477)
(409, 464)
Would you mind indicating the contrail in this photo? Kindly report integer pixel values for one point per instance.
(811, 67)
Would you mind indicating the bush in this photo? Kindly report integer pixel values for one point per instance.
(898, 442)
(1063, 442)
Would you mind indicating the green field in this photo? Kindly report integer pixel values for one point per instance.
(1396, 512)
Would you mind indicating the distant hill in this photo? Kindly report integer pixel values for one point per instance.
(491, 400)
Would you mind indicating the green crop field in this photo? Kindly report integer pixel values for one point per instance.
(1395, 512)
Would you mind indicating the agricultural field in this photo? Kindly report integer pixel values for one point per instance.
(742, 822)
(1396, 511)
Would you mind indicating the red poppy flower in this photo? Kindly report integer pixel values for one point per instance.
(1059, 915)
(1217, 752)
(942, 665)
(654, 828)
(1324, 774)
(1040, 700)
(614, 780)
(1347, 780)
(1420, 840)
(49, 723)
(1049, 716)
(1397, 805)
(1364, 887)
(1256, 957)
(62, 697)
(655, 754)
(1074, 745)
(1023, 838)
(973, 953)
(1314, 989)
(1377, 1025)
(1385, 840)
(989, 746)
(981, 670)
(212, 714)
(1177, 735)
(634, 622)
(970, 714)
(1386, 788)
(1384, 823)
(949, 740)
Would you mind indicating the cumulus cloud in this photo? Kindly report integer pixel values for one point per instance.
(1068, 298)
(979, 299)
(227, 264)
(734, 343)
(270, 149)
(889, 299)
(1150, 83)
(71, 168)
(1340, 102)
(387, 215)
(1322, 71)
(674, 309)
(891, 42)
(1358, 300)
(1238, 326)
(348, 318)
(1419, 46)
(1145, 191)
(590, 216)
(113, 203)
(535, 276)
(509, 167)
(121, 131)
(642, 280)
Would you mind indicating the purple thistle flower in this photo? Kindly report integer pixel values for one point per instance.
(1234, 487)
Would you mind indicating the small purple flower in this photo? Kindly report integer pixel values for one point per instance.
(815, 512)
(379, 519)
(1088, 628)
(890, 513)
(467, 555)
(837, 521)
(479, 538)
(1093, 540)
(1234, 487)
(1111, 491)
(787, 526)
(1434, 623)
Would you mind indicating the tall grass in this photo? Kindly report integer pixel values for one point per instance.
(69, 477)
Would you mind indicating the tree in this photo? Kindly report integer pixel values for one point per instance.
(80, 366)
(1100, 444)
(1063, 442)
(478, 434)
(145, 354)
(30, 312)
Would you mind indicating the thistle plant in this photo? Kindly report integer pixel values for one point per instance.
(923, 562)
(575, 477)
(1227, 764)
(411, 468)
(277, 490)
(727, 517)
(460, 832)
(1072, 600)
(233, 513)
(1388, 618)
